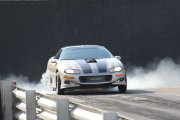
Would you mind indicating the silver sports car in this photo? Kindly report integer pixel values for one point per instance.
(86, 66)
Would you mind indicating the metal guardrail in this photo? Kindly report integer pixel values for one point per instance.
(21, 104)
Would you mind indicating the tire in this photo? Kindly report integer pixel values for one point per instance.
(123, 88)
(59, 91)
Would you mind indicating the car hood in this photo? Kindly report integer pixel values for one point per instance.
(101, 66)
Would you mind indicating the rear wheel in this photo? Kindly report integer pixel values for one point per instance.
(59, 91)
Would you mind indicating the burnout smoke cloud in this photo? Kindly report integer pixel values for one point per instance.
(164, 73)
(22, 81)
(159, 74)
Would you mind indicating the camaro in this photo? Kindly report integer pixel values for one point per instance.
(86, 66)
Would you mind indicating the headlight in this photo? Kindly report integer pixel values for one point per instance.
(116, 69)
(72, 71)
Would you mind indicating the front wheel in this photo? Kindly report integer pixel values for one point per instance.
(122, 88)
(59, 91)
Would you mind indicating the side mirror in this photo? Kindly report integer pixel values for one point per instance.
(52, 57)
(118, 57)
(54, 61)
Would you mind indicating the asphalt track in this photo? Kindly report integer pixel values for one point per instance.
(137, 104)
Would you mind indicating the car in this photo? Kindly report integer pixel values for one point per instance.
(86, 66)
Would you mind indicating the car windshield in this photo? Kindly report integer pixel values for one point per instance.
(83, 53)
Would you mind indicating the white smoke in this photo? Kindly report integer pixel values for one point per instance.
(23, 82)
(158, 74)
(161, 74)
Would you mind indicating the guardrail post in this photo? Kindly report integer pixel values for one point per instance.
(110, 116)
(30, 105)
(6, 98)
(62, 106)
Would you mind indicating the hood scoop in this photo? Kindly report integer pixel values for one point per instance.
(90, 60)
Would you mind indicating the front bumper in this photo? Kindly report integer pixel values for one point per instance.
(75, 81)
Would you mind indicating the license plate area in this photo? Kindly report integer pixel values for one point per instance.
(91, 79)
(95, 78)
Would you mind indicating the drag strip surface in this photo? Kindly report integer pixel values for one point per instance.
(149, 104)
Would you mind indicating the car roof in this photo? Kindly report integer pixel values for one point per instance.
(83, 46)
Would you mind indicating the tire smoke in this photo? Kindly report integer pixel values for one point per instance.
(159, 74)
(23, 82)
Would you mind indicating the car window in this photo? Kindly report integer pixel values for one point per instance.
(82, 53)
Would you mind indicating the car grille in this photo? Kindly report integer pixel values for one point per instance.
(94, 79)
